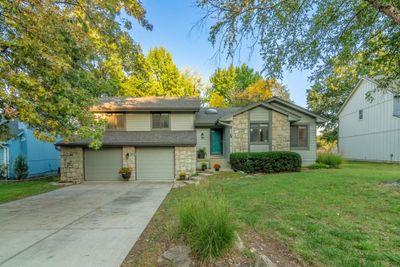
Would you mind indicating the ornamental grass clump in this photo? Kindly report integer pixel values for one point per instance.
(330, 159)
(206, 225)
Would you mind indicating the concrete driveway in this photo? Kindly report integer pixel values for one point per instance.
(92, 224)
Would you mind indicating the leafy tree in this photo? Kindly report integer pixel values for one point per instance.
(230, 84)
(258, 91)
(223, 82)
(161, 77)
(239, 86)
(246, 76)
(57, 57)
(328, 93)
(311, 34)
(217, 100)
(20, 167)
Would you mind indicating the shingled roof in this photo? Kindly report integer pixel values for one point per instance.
(150, 103)
(210, 119)
(142, 138)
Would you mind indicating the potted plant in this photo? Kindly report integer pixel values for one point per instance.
(201, 153)
(203, 166)
(125, 172)
(182, 175)
(217, 167)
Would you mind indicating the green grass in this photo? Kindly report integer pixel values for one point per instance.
(10, 191)
(330, 217)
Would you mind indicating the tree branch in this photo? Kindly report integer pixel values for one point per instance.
(389, 10)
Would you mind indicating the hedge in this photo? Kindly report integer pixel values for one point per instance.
(267, 162)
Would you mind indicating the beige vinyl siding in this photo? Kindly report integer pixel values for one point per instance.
(259, 148)
(182, 121)
(259, 114)
(138, 122)
(376, 137)
(309, 155)
(155, 163)
(103, 164)
(205, 142)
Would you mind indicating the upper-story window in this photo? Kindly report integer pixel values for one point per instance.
(160, 120)
(299, 136)
(258, 133)
(396, 105)
(115, 122)
(360, 114)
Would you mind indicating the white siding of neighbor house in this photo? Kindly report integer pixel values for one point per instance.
(205, 142)
(377, 135)
(259, 114)
(309, 155)
(138, 122)
(182, 121)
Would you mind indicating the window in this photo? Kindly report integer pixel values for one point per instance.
(299, 136)
(258, 133)
(160, 120)
(360, 114)
(115, 121)
(396, 105)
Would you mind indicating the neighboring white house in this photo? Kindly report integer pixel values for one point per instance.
(370, 130)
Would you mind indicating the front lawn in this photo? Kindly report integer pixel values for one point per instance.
(10, 191)
(328, 217)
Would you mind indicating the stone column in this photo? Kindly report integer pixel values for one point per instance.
(280, 139)
(72, 169)
(129, 161)
(240, 133)
(185, 160)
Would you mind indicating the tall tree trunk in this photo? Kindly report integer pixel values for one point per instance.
(389, 10)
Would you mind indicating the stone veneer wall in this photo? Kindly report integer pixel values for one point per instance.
(130, 162)
(280, 132)
(240, 133)
(185, 160)
(72, 169)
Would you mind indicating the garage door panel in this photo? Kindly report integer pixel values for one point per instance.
(155, 163)
(103, 165)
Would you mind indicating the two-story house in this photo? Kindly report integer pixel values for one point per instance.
(370, 130)
(158, 137)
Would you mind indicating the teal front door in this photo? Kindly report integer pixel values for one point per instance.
(216, 141)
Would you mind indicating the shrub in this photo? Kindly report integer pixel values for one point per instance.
(330, 159)
(20, 167)
(318, 166)
(206, 225)
(267, 162)
(201, 153)
(3, 172)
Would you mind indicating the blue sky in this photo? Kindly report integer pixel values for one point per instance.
(173, 22)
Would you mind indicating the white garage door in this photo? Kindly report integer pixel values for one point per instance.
(103, 165)
(155, 163)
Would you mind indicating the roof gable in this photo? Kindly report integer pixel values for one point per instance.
(364, 79)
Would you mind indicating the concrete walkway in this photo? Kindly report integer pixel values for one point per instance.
(92, 224)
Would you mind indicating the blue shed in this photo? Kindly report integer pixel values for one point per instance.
(42, 157)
